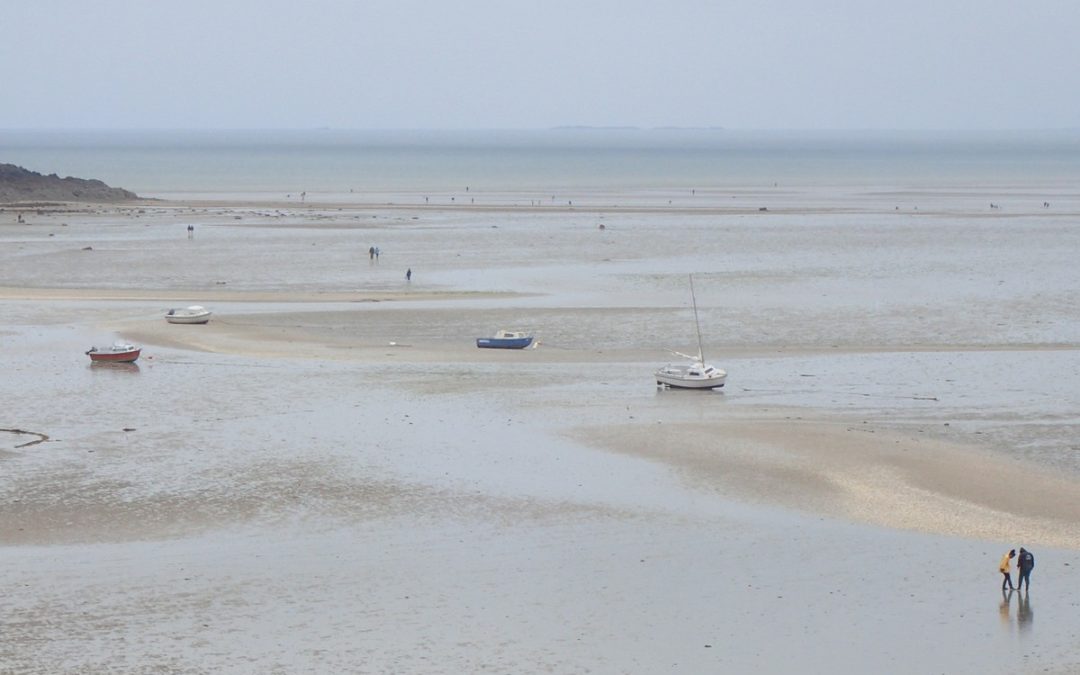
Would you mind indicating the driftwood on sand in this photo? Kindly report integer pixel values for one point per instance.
(41, 437)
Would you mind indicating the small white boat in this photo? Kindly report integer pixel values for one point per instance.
(192, 314)
(697, 374)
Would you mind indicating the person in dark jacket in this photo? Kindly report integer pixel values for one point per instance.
(1025, 562)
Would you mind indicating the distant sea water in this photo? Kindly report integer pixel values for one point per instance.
(156, 163)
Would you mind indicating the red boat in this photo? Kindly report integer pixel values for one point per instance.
(118, 352)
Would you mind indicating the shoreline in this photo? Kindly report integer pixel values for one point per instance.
(241, 296)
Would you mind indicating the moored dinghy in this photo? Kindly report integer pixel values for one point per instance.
(117, 352)
(505, 339)
(192, 314)
(697, 374)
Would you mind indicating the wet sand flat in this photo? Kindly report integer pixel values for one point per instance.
(329, 476)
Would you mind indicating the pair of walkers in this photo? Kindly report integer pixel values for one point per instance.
(1024, 564)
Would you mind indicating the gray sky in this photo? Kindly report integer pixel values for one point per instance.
(740, 64)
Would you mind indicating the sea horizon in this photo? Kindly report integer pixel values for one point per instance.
(158, 161)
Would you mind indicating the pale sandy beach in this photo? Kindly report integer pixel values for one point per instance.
(331, 477)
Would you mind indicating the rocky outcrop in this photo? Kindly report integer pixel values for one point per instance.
(20, 185)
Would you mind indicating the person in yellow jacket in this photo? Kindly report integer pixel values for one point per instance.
(1003, 567)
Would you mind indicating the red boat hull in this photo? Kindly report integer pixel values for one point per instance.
(110, 357)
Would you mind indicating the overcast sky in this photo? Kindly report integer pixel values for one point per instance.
(739, 64)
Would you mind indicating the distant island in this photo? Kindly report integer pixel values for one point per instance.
(22, 185)
(584, 127)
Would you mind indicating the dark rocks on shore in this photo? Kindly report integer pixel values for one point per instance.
(21, 185)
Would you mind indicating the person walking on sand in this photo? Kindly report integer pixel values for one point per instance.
(408, 274)
(1024, 564)
(1003, 567)
(371, 253)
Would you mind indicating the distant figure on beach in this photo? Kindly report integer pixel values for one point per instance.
(371, 253)
(377, 252)
(1004, 567)
(190, 231)
(408, 274)
(1024, 564)
(303, 196)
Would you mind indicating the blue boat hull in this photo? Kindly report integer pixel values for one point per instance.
(503, 343)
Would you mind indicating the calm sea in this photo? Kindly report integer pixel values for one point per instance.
(162, 162)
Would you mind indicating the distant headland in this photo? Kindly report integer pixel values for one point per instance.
(22, 185)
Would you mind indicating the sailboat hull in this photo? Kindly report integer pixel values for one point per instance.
(690, 377)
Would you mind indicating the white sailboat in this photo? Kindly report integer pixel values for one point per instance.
(694, 375)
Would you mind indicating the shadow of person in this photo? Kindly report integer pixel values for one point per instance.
(1024, 615)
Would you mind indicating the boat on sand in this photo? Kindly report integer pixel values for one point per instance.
(117, 352)
(694, 375)
(192, 314)
(505, 339)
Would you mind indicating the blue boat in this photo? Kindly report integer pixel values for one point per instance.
(505, 339)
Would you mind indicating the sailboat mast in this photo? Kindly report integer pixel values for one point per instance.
(697, 324)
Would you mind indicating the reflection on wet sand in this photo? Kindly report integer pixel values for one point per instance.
(1024, 614)
(104, 366)
(1004, 608)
